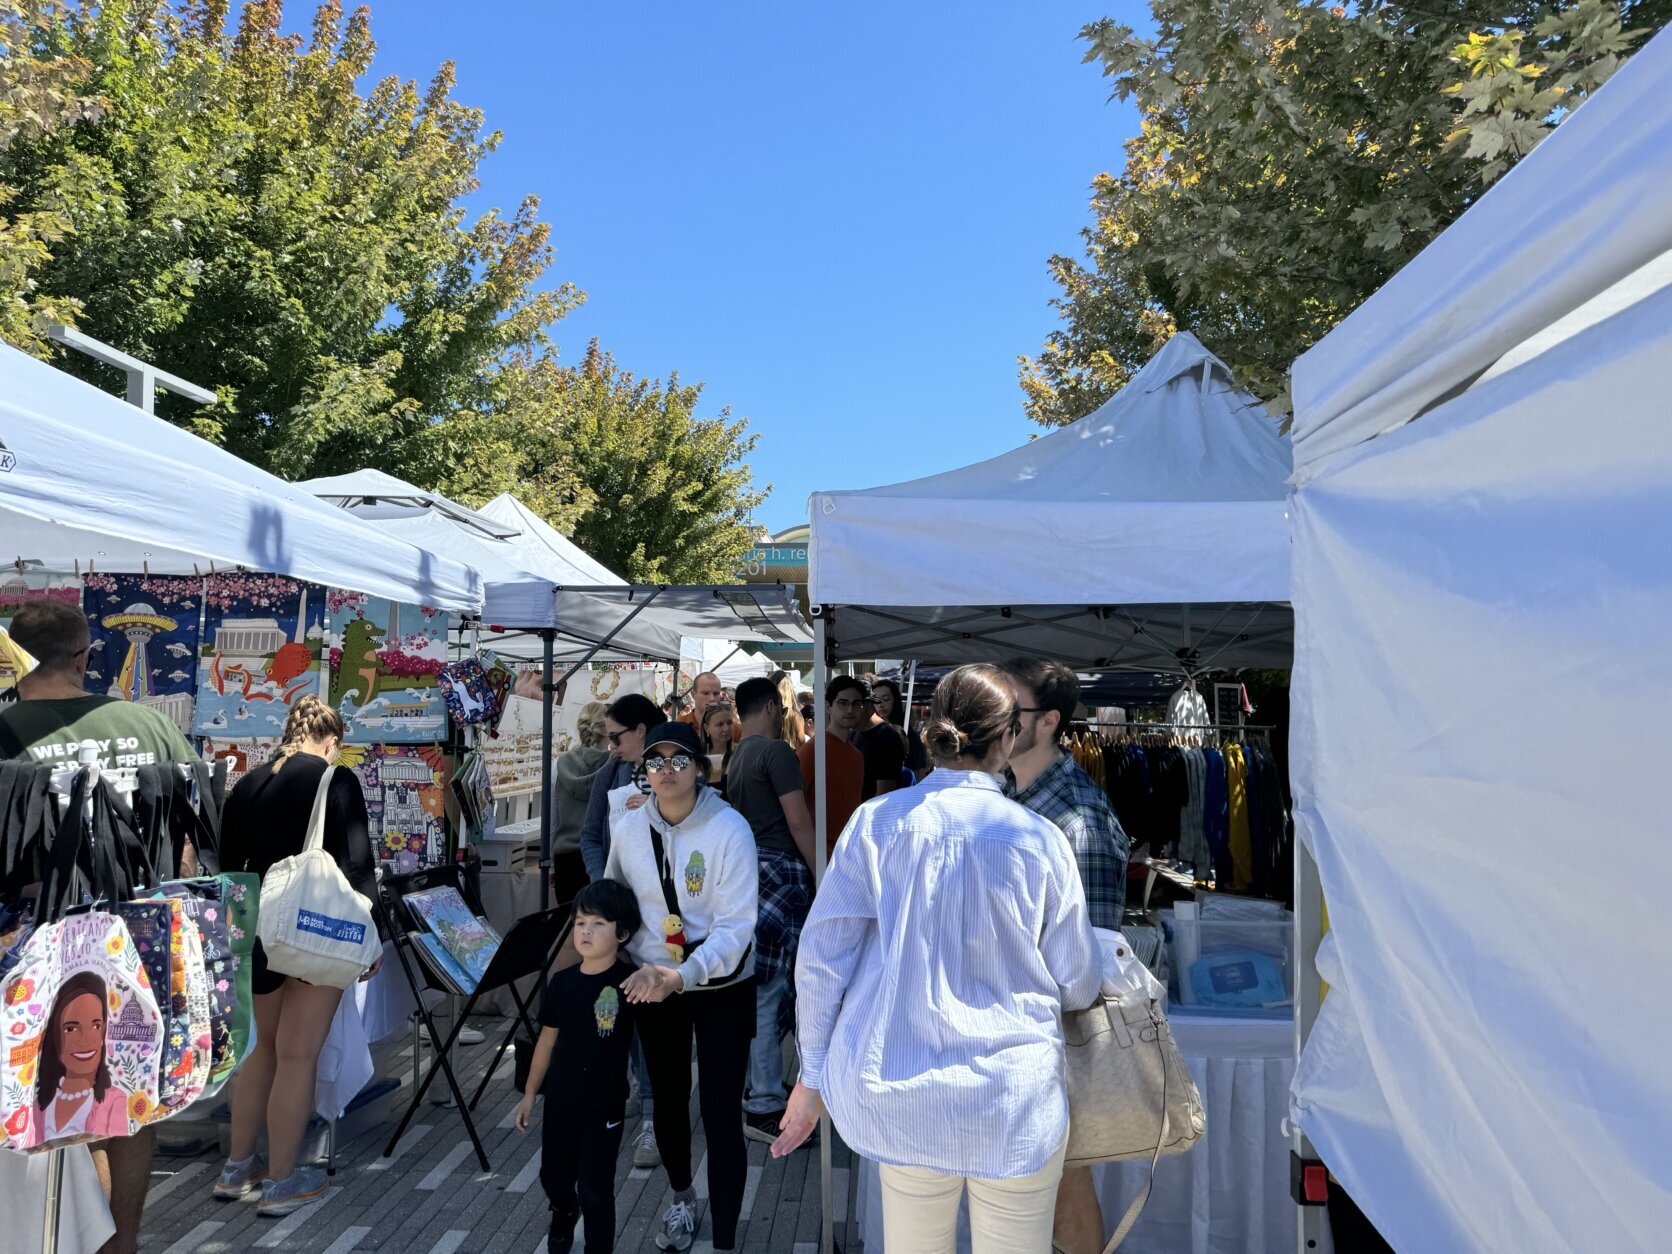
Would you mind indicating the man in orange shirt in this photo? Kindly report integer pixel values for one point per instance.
(706, 690)
(844, 703)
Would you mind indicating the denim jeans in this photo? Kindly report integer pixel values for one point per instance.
(767, 1094)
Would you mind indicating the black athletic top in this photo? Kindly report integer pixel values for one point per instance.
(266, 820)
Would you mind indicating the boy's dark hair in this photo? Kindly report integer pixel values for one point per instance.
(840, 684)
(613, 901)
(754, 695)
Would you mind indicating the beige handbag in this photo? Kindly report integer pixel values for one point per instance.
(1129, 1094)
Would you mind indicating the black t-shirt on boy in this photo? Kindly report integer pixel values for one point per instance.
(594, 1032)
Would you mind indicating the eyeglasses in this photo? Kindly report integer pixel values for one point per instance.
(615, 737)
(678, 764)
(842, 703)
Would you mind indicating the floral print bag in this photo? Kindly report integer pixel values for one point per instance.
(81, 1032)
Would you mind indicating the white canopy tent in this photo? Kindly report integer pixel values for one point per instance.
(1483, 591)
(1151, 534)
(88, 481)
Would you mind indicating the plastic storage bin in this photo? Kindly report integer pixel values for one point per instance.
(1232, 968)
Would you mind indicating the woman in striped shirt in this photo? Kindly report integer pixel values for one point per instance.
(948, 937)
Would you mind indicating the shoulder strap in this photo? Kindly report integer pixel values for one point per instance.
(316, 820)
(1136, 1207)
(11, 746)
(668, 893)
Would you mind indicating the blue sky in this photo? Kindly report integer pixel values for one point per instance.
(838, 217)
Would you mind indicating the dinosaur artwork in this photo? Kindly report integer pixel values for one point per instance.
(385, 657)
(354, 681)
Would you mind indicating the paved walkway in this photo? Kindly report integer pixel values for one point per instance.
(432, 1198)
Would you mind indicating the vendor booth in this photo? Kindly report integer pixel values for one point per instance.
(1150, 536)
(1483, 592)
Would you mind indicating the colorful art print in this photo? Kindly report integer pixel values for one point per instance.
(405, 787)
(385, 659)
(467, 937)
(18, 587)
(143, 640)
(469, 697)
(447, 966)
(200, 901)
(263, 638)
(243, 755)
(80, 1036)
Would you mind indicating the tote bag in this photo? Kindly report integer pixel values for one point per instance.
(313, 925)
(80, 1029)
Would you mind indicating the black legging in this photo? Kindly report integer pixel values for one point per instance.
(723, 1022)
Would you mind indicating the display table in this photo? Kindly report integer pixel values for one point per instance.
(1230, 1194)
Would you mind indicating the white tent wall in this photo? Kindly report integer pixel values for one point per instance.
(88, 480)
(1483, 601)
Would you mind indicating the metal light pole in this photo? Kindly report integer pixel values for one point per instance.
(143, 378)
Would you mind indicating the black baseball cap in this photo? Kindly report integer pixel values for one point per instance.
(680, 734)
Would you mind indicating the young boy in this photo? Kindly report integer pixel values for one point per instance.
(586, 1022)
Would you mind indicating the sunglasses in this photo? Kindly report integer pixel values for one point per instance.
(615, 737)
(679, 763)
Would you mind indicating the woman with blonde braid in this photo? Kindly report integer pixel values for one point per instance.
(794, 730)
(265, 821)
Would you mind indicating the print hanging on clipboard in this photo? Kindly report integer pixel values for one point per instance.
(263, 636)
(143, 636)
(405, 787)
(385, 659)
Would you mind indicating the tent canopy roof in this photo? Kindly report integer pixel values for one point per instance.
(88, 480)
(1081, 543)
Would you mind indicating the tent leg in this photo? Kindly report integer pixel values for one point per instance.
(911, 691)
(821, 811)
(548, 696)
(1313, 1228)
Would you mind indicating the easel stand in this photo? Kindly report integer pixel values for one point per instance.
(528, 949)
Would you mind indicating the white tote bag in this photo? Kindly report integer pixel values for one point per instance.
(313, 925)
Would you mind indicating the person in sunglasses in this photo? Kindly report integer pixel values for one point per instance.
(690, 860)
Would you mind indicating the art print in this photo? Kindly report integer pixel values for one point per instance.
(243, 756)
(263, 638)
(385, 658)
(143, 640)
(405, 788)
(469, 940)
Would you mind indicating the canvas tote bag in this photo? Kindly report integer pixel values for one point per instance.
(1129, 1092)
(313, 925)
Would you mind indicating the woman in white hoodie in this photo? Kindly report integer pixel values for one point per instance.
(690, 860)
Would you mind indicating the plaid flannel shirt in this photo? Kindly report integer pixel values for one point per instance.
(786, 897)
(1068, 797)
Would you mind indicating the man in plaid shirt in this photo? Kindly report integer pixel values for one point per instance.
(1048, 781)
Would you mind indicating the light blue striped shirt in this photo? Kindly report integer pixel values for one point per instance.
(948, 935)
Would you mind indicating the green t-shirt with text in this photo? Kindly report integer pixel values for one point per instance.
(128, 734)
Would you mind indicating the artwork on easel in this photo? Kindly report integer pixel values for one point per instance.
(143, 638)
(384, 659)
(263, 637)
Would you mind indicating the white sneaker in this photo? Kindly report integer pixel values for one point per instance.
(679, 1227)
(645, 1153)
(470, 1036)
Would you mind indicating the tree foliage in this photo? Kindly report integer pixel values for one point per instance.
(224, 200)
(1291, 157)
(652, 491)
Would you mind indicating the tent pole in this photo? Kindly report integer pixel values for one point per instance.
(911, 689)
(548, 696)
(1309, 933)
(821, 817)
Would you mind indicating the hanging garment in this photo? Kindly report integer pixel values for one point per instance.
(1256, 834)
(1187, 708)
(1216, 818)
(1169, 795)
(1193, 843)
(1236, 788)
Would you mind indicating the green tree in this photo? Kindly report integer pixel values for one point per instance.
(1290, 158)
(243, 216)
(654, 492)
(40, 91)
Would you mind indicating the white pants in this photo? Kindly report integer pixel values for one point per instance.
(920, 1210)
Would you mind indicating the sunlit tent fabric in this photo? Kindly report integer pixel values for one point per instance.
(1155, 528)
(88, 480)
(1483, 594)
(521, 573)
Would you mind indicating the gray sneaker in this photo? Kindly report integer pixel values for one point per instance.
(239, 1181)
(300, 1187)
(645, 1153)
(679, 1227)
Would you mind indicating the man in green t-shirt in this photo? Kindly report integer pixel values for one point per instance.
(51, 718)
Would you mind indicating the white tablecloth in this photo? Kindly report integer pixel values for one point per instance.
(1229, 1195)
(83, 1218)
(367, 1014)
